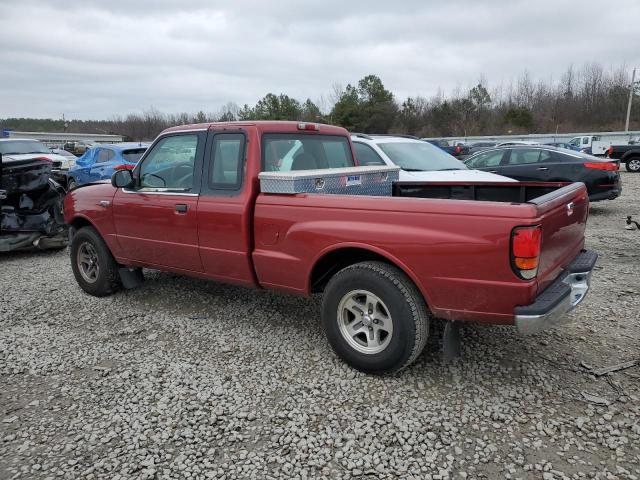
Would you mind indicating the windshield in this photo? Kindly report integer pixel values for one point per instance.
(420, 157)
(132, 156)
(19, 147)
(283, 152)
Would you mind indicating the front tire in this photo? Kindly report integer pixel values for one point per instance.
(633, 165)
(93, 265)
(374, 317)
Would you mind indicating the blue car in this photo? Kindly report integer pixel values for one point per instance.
(99, 162)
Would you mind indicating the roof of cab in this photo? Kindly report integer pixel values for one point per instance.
(275, 126)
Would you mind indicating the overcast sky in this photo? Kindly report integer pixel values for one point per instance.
(96, 58)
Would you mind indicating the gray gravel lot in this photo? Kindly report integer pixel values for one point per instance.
(188, 379)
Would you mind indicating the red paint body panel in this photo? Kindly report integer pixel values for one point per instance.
(456, 251)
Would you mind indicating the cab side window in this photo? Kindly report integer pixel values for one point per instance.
(170, 164)
(228, 161)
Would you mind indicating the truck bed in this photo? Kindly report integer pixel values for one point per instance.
(456, 249)
(519, 192)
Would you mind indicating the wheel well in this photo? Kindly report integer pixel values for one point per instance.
(336, 260)
(79, 222)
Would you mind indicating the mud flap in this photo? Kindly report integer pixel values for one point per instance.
(131, 277)
(451, 347)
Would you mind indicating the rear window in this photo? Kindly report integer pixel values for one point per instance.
(284, 152)
(133, 155)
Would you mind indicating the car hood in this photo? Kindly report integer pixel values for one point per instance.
(65, 162)
(453, 176)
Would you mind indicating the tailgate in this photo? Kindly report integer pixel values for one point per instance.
(563, 216)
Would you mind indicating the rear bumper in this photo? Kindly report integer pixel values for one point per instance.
(563, 295)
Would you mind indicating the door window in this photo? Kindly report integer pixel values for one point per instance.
(228, 161)
(366, 155)
(546, 156)
(487, 159)
(585, 140)
(524, 156)
(170, 164)
(104, 155)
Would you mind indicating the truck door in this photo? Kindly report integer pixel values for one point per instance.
(225, 208)
(156, 221)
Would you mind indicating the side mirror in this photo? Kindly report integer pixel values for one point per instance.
(122, 179)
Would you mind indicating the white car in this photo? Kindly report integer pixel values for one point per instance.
(24, 148)
(418, 160)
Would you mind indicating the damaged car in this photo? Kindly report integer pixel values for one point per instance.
(30, 205)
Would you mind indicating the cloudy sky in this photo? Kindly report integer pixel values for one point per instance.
(97, 58)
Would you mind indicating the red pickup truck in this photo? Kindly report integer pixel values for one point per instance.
(506, 253)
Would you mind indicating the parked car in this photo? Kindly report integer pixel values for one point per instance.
(78, 147)
(383, 263)
(458, 151)
(30, 204)
(627, 154)
(419, 160)
(23, 148)
(64, 153)
(551, 164)
(99, 162)
(480, 146)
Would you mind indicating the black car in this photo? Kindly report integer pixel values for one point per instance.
(550, 164)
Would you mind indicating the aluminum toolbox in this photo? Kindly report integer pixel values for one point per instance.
(376, 181)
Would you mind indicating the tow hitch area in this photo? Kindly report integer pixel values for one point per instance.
(30, 206)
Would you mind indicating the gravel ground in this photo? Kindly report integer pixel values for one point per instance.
(189, 379)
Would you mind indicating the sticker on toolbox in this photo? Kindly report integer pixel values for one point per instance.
(353, 180)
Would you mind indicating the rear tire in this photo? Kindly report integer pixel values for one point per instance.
(93, 265)
(374, 317)
(633, 165)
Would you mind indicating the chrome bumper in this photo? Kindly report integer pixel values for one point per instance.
(563, 295)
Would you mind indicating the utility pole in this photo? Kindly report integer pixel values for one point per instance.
(631, 91)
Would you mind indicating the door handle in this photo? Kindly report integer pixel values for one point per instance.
(543, 168)
(181, 208)
(493, 171)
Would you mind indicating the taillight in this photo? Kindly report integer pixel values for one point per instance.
(525, 251)
(308, 126)
(608, 166)
(458, 149)
(610, 150)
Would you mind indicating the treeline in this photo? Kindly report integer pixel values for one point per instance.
(590, 98)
